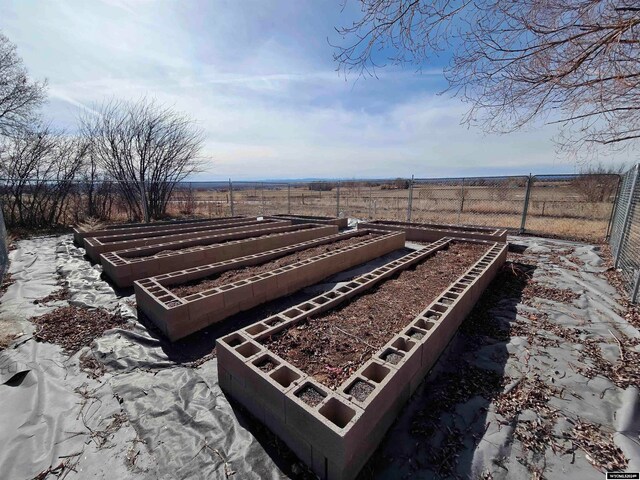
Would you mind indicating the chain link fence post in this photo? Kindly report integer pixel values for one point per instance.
(461, 200)
(525, 207)
(231, 196)
(337, 199)
(614, 207)
(627, 216)
(4, 248)
(410, 203)
(636, 287)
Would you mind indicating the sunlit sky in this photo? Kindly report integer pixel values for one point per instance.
(259, 78)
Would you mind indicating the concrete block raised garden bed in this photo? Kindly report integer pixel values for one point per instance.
(431, 232)
(111, 243)
(181, 303)
(334, 411)
(79, 233)
(125, 266)
(295, 219)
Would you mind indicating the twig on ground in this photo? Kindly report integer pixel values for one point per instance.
(619, 345)
(352, 336)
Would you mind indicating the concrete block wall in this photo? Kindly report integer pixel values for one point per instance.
(337, 436)
(430, 232)
(123, 270)
(214, 305)
(94, 246)
(295, 219)
(79, 233)
(189, 274)
(208, 238)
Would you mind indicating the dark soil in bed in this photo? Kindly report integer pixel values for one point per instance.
(335, 344)
(230, 276)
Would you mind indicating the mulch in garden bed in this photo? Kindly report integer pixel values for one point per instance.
(335, 344)
(75, 327)
(230, 276)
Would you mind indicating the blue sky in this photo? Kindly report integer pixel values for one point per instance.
(259, 78)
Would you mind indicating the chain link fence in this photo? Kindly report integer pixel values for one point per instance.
(578, 207)
(625, 232)
(484, 201)
(571, 206)
(4, 249)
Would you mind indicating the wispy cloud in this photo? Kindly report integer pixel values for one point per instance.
(259, 78)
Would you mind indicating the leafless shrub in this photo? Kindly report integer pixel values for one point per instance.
(397, 184)
(185, 199)
(98, 193)
(39, 168)
(146, 148)
(598, 183)
(320, 186)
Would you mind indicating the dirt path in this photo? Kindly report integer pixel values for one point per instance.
(331, 347)
(239, 274)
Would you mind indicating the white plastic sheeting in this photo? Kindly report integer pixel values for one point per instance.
(176, 423)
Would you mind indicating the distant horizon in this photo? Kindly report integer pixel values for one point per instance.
(368, 179)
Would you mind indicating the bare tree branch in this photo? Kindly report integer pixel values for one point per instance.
(38, 168)
(515, 62)
(20, 97)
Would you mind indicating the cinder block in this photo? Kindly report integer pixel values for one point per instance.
(328, 426)
(79, 233)
(344, 430)
(272, 386)
(154, 265)
(431, 232)
(297, 219)
(229, 358)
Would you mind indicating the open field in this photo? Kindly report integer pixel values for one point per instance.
(559, 208)
(574, 207)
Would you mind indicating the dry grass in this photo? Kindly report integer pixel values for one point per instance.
(555, 209)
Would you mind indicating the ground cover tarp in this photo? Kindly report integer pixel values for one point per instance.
(157, 410)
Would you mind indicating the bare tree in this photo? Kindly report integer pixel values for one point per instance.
(576, 62)
(39, 168)
(20, 97)
(146, 148)
(98, 192)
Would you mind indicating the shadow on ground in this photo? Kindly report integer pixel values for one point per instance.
(436, 434)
